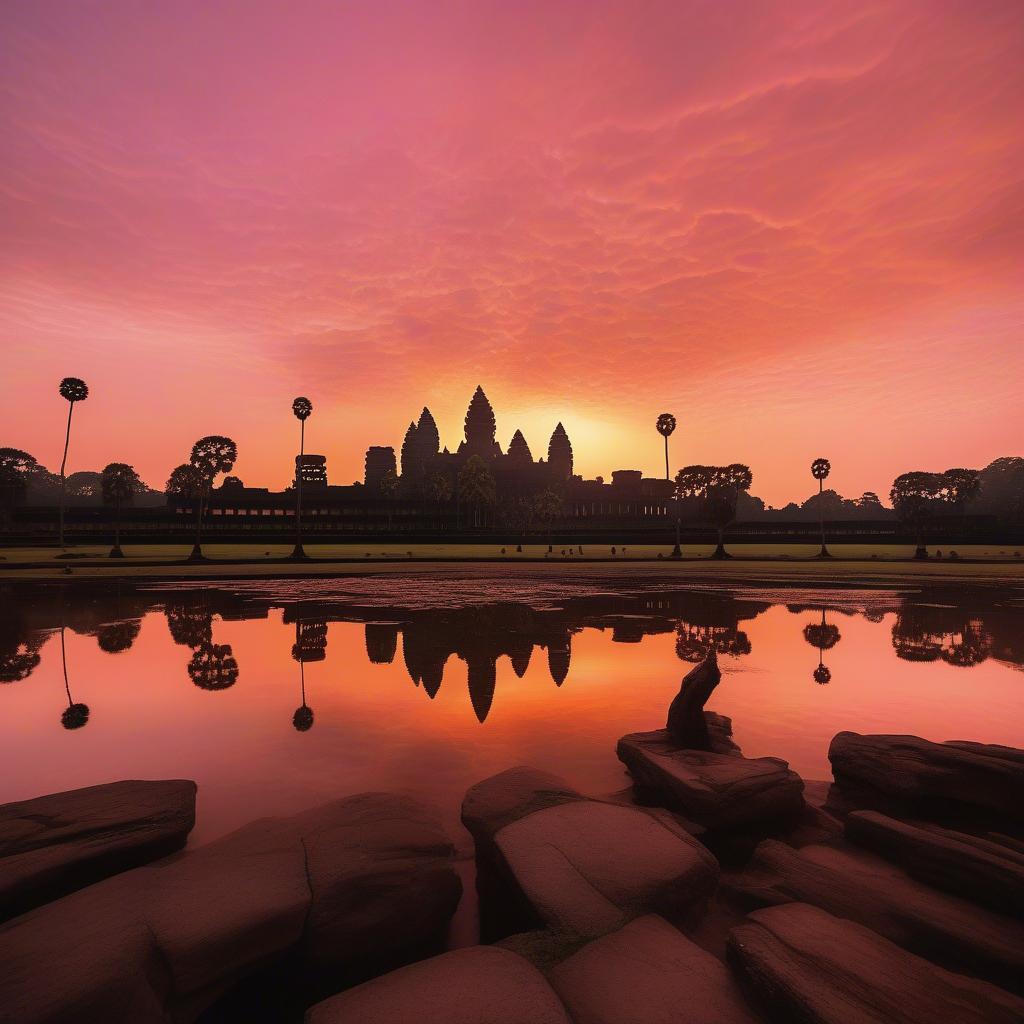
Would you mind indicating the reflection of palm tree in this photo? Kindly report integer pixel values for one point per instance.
(213, 667)
(695, 642)
(74, 716)
(925, 633)
(301, 408)
(19, 653)
(824, 636)
(72, 390)
(666, 427)
(117, 637)
(190, 625)
(820, 468)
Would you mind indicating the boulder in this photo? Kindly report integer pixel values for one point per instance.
(866, 889)
(806, 965)
(578, 866)
(648, 971)
(720, 791)
(55, 844)
(478, 985)
(978, 869)
(912, 777)
(361, 881)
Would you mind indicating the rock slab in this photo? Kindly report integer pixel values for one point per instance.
(864, 888)
(809, 967)
(478, 985)
(720, 791)
(648, 971)
(914, 777)
(976, 868)
(56, 844)
(359, 880)
(583, 867)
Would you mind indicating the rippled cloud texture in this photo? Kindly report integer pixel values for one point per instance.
(797, 226)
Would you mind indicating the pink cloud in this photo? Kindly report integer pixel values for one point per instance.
(806, 216)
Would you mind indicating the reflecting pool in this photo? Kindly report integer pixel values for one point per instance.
(276, 695)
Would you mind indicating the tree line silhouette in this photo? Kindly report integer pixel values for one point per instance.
(715, 495)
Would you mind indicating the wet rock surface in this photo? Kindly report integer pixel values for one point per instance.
(979, 869)
(361, 881)
(864, 888)
(805, 965)
(56, 844)
(585, 867)
(912, 777)
(478, 985)
(720, 791)
(648, 971)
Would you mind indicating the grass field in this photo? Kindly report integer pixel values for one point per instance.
(780, 561)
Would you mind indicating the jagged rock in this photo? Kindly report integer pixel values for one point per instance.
(56, 844)
(479, 985)
(864, 888)
(648, 971)
(363, 880)
(978, 869)
(686, 723)
(721, 791)
(810, 967)
(913, 777)
(578, 866)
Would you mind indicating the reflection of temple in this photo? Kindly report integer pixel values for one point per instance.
(961, 628)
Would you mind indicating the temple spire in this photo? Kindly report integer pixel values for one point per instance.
(560, 453)
(480, 425)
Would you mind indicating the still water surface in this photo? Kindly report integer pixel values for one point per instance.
(277, 695)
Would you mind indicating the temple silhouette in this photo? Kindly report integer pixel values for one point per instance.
(421, 484)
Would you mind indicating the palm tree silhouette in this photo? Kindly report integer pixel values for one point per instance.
(119, 483)
(820, 469)
(74, 716)
(666, 427)
(301, 407)
(72, 390)
(210, 455)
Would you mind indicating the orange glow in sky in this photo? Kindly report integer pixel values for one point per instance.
(799, 227)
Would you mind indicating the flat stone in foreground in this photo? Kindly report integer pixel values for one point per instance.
(911, 777)
(479, 985)
(809, 967)
(361, 880)
(721, 791)
(648, 971)
(978, 869)
(866, 889)
(55, 844)
(583, 867)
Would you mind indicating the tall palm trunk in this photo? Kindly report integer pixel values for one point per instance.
(63, 478)
(298, 551)
(116, 551)
(823, 553)
(720, 551)
(668, 476)
(197, 548)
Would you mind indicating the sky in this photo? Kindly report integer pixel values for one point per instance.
(798, 226)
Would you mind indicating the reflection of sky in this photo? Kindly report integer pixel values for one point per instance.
(785, 215)
(375, 730)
